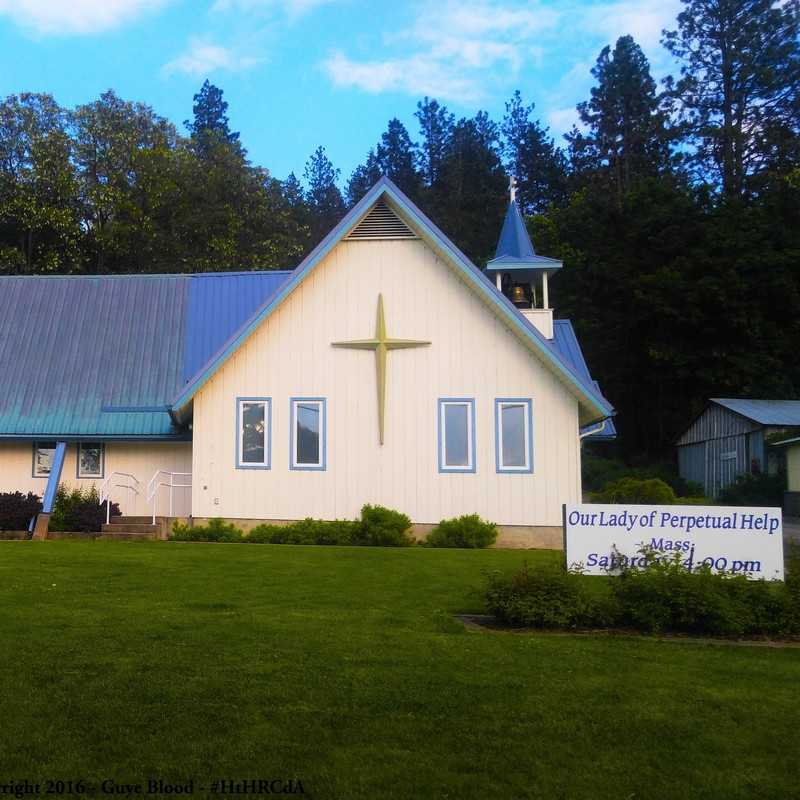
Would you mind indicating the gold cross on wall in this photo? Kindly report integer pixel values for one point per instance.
(381, 344)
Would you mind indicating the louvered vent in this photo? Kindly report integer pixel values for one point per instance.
(381, 223)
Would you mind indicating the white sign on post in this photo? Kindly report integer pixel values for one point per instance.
(740, 541)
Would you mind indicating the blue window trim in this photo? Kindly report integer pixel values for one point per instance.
(267, 432)
(102, 474)
(527, 401)
(470, 401)
(321, 467)
(36, 445)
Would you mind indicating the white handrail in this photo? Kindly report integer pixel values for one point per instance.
(132, 485)
(156, 483)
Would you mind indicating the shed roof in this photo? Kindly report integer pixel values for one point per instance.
(764, 412)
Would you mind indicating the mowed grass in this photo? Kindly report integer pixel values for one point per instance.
(344, 667)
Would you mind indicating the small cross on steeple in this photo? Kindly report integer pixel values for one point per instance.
(512, 188)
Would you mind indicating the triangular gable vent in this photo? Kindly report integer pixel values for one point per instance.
(381, 223)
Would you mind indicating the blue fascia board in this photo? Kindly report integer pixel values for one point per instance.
(479, 281)
(510, 264)
(95, 437)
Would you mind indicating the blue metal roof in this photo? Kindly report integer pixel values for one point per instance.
(515, 248)
(764, 412)
(102, 356)
(566, 343)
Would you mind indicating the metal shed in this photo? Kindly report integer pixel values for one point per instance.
(727, 440)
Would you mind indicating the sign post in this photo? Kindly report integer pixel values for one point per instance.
(602, 539)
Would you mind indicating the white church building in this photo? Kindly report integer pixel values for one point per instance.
(386, 369)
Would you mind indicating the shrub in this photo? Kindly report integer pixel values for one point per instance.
(79, 510)
(17, 510)
(634, 490)
(755, 490)
(547, 597)
(307, 531)
(383, 527)
(598, 470)
(217, 530)
(661, 595)
(466, 531)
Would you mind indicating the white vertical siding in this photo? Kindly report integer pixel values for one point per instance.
(141, 459)
(472, 354)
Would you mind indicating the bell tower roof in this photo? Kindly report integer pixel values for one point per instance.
(515, 251)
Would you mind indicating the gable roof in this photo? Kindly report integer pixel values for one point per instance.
(764, 412)
(102, 356)
(592, 404)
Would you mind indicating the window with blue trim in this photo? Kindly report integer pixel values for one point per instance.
(513, 435)
(457, 435)
(253, 415)
(91, 459)
(308, 433)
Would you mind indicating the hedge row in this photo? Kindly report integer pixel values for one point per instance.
(377, 526)
(661, 596)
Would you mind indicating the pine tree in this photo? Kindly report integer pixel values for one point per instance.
(396, 158)
(436, 125)
(627, 136)
(364, 177)
(532, 158)
(323, 197)
(739, 84)
(210, 124)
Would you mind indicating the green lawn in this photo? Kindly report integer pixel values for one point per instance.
(343, 667)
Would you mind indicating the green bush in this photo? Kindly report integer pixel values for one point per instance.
(383, 527)
(660, 595)
(547, 597)
(633, 490)
(307, 531)
(17, 510)
(217, 530)
(598, 470)
(755, 490)
(466, 531)
(79, 510)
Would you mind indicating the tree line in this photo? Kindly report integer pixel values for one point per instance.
(675, 207)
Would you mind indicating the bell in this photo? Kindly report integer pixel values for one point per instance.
(518, 297)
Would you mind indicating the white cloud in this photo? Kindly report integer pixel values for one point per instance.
(455, 45)
(75, 16)
(642, 19)
(561, 120)
(293, 9)
(202, 57)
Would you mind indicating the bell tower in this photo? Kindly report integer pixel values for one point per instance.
(519, 273)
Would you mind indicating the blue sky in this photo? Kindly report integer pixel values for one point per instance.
(300, 73)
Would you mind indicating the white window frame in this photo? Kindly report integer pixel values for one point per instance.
(469, 403)
(499, 404)
(79, 473)
(321, 403)
(267, 403)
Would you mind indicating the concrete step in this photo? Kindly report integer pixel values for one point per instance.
(126, 536)
(130, 527)
(131, 520)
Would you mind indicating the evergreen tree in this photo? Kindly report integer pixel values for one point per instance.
(364, 177)
(396, 158)
(740, 82)
(436, 126)
(532, 158)
(627, 137)
(210, 124)
(323, 197)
